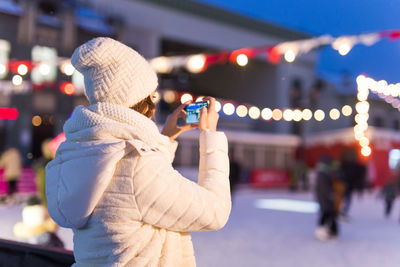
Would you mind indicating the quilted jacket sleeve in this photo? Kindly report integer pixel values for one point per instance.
(168, 200)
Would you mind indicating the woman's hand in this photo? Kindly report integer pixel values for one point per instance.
(171, 128)
(209, 118)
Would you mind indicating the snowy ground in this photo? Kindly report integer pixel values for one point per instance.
(262, 237)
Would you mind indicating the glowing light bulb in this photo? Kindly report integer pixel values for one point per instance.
(347, 110)
(366, 151)
(169, 96)
(277, 114)
(241, 111)
(217, 106)
(67, 68)
(307, 114)
(266, 114)
(161, 64)
(344, 49)
(334, 114)
(290, 56)
(254, 113)
(364, 141)
(22, 69)
(242, 60)
(196, 63)
(297, 115)
(17, 80)
(186, 97)
(288, 115)
(200, 98)
(36, 121)
(228, 109)
(44, 69)
(319, 115)
(362, 107)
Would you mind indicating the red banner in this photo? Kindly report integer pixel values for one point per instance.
(269, 178)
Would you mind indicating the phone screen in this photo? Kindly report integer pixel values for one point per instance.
(193, 112)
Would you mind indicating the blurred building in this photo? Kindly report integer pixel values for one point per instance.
(41, 34)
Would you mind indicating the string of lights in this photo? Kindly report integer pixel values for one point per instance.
(388, 92)
(288, 50)
(230, 108)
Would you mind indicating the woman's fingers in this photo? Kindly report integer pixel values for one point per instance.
(211, 100)
(203, 122)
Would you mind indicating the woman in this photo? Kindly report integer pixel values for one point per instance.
(112, 181)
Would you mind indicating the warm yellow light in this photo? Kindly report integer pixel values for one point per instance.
(196, 63)
(363, 126)
(361, 117)
(361, 80)
(307, 114)
(297, 115)
(277, 114)
(347, 110)
(67, 68)
(288, 115)
(358, 135)
(366, 151)
(22, 69)
(242, 60)
(266, 114)
(241, 111)
(217, 106)
(36, 120)
(186, 97)
(228, 109)
(344, 49)
(381, 86)
(362, 107)
(364, 141)
(169, 96)
(44, 69)
(359, 129)
(161, 64)
(17, 80)
(290, 56)
(334, 114)
(199, 98)
(394, 90)
(362, 95)
(254, 113)
(319, 115)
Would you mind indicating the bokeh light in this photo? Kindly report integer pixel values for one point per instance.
(241, 111)
(228, 109)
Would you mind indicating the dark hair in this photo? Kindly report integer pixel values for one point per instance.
(146, 107)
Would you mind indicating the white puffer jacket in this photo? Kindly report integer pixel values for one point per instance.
(112, 182)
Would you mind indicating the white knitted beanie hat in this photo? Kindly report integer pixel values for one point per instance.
(113, 72)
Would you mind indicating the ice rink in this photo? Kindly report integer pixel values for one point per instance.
(276, 238)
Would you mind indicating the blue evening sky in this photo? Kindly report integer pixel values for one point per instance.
(338, 17)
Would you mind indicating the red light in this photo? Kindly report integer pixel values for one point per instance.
(8, 113)
(68, 88)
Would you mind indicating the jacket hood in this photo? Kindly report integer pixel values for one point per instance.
(98, 137)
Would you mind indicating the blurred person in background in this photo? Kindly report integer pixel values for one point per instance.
(234, 173)
(327, 222)
(353, 174)
(112, 180)
(11, 161)
(389, 193)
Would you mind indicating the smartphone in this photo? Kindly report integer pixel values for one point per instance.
(193, 112)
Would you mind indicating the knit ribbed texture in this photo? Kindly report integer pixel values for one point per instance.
(113, 72)
(145, 214)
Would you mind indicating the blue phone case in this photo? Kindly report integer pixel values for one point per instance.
(193, 112)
